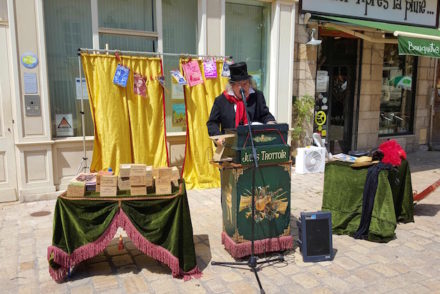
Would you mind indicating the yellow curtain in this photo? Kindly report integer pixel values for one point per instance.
(128, 127)
(198, 172)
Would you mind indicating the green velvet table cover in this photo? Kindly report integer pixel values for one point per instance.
(160, 227)
(343, 193)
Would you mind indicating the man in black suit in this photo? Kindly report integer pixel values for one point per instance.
(228, 110)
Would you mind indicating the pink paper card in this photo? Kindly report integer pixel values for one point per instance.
(210, 68)
(139, 85)
(192, 73)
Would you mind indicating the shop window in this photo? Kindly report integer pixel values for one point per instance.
(3, 12)
(247, 38)
(127, 25)
(180, 19)
(68, 26)
(398, 92)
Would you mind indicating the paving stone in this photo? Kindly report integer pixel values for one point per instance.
(306, 280)
(105, 283)
(135, 284)
(121, 260)
(407, 264)
(82, 290)
(164, 286)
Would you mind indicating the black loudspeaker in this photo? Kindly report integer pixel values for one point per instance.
(315, 236)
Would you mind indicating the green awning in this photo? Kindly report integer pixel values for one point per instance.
(426, 43)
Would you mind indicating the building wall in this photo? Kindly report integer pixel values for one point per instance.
(304, 70)
(370, 89)
(370, 93)
(45, 165)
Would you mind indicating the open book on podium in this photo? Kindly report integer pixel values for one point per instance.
(217, 157)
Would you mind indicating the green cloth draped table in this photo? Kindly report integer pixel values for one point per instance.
(159, 226)
(343, 193)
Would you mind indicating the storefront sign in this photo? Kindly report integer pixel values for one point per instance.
(419, 47)
(409, 12)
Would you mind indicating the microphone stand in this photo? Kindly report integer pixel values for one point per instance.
(253, 260)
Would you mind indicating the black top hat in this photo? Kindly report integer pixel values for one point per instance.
(238, 72)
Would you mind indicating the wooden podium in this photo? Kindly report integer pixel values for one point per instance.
(272, 190)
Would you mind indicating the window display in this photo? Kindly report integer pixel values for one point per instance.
(397, 100)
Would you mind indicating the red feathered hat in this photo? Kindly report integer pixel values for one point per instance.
(392, 152)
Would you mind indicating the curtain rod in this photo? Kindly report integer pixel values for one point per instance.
(148, 53)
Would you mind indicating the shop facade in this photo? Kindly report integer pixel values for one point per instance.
(42, 144)
(365, 91)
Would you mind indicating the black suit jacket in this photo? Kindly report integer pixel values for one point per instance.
(223, 114)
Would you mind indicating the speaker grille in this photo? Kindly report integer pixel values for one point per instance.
(318, 238)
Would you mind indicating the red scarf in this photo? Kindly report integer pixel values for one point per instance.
(240, 114)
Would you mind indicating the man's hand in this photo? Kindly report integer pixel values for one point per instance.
(220, 142)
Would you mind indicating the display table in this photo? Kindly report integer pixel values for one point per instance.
(159, 226)
(343, 192)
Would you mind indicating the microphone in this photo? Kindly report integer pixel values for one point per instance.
(242, 94)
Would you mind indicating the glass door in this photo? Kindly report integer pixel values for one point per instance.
(338, 62)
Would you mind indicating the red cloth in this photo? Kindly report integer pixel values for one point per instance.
(392, 152)
(240, 113)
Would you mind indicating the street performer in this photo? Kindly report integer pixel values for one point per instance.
(228, 110)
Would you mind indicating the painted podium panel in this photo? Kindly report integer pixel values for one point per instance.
(272, 195)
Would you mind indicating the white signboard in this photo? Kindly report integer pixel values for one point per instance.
(64, 125)
(84, 94)
(30, 83)
(408, 12)
(322, 80)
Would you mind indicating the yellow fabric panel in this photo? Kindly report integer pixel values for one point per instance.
(108, 104)
(128, 128)
(198, 172)
(147, 115)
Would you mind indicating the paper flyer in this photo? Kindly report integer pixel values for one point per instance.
(210, 68)
(139, 85)
(192, 73)
(121, 76)
(178, 77)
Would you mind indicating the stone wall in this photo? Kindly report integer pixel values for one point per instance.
(370, 93)
(304, 65)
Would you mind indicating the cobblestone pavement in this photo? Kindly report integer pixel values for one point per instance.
(408, 264)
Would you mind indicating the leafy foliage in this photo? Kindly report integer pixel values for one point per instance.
(303, 113)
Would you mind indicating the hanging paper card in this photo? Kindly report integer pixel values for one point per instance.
(178, 115)
(161, 80)
(121, 76)
(139, 86)
(192, 73)
(178, 77)
(210, 68)
(225, 70)
(176, 90)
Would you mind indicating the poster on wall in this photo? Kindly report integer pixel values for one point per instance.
(30, 83)
(64, 125)
(84, 94)
(178, 115)
(256, 76)
(322, 81)
(176, 90)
